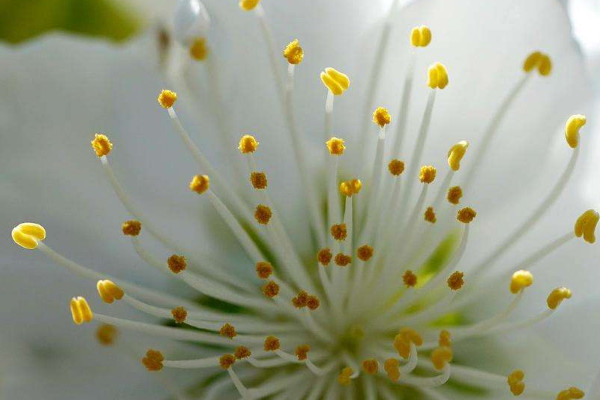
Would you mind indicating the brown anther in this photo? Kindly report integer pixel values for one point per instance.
(410, 279)
(179, 314)
(396, 167)
(427, 174)
(270, 289)
(200, 183)
(271, 343)
(242, 352)
(454, 195)
(324, 256)
(370, 366)
(228, 330)
(364, 252)
(300, 300)
(226, 361)
(176, 263)
(258, 180)
(264, 269)
(429, 215)
(313, 302)
(106, 334)
(342, 259)
(466, 215)
(339, 231)
(263, 214)
(302, 352)
(153, 360)
(131, 228)
(456, 280)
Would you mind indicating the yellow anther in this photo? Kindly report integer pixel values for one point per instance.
(106, 334)
(441, 356)
(199, 49)
(264, 269)
(570, 394)
(466, 215)
(293, 52)
(342, 260)
(300, 300)
(515, 382)
(28, 234)
(456, 280)
(370, 366)
(335, 146)
(404, 339)
(364, 252)
(101, 145)
(242, 352)
(248, 144)
(345, 375)
(81, 311)
(258, 180)
(456, 153)
(420, 36)
(339, 231)
(270, 289)
(410, 279)
(262, 214)
(179, 314)
(574, 123)
(351, 187)
(454, 194)
(557, 296)
(445, 339)
(167, 98)
(176, 263)
(226, 361)
(429, 215)
(324, 256)
(382, 117)
(539, 61)
(335, 81)
(302, 352)
(271, 343)
(427, 174)
(392, 367)
(153, 360)
(396, 167)
(248, 5)
(520, 280)
(586, 225)
(109, 291)
(437, 76)
(313, 302)
(131, 228)
(228, 330)
(200, 184)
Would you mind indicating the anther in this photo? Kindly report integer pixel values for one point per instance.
(429, 215)
(364, 252)
(344, 377)
(335, 81)
(396, 167)
(351, 187)
(520, 280)
(392, 367)
(106, 334)
(271, 343)
(270, 289)
(226, 361)
(293, 52)
(456, 153)
(248, 144)
(101, 145)
(410, 279)
(28, 235)
(539, 61)
(153, 360)
(179, 314)
(404, 339)
(109, 291)
(335, 146)
(445, 339)
(248, 5)
(300, 300)
(382, 117)
(131, 228)
(427, 174)
(570, 394)
(515, 382)
(176, 263)
(228, 330)
(557, 296)
(80, 310)
(466, 215)
(302, 352)
(572, 127)
(200, 184)
(313, 302)
(262, 214)
(324, 256)
(242, 352)
(370, 366)
(167, 98)
(258, 180)
(441, 356)
(342, 260)
(420, 36)
(456, 281)
(339, 231)
(199, 49)
(586, 226)
(454, 194)
(437, 76)
(264, 269)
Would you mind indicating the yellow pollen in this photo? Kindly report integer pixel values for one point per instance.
(131, 228)
(557, 296)
(200, 183)
(570, 394)
(228, 330)
(199, 49)
(456, 153)
(248, 5)
(302, 352)
(226, 361)
(263, 214)
(293, 52)
(410, 279)
(179, 314)
(441, 356)
(364, 252)
(101, 145)
(466, 215)
(176, 263)
(420, 36)
(437, 76)
(106, 334)
(167, 98)
(313, 302)
(572, 127)
(445, 339)
(248, 144)
(586, 225)
(344, 376)
(300, 300)
(427, 174)
(28, 234)
(351, 187)
(335, 146)
(339, 232)
(335, 81)
(242, 352)
(264, 269)
(404, 339)
(270, 289)
(515, 382)
(392, 368)
(80, 310)
(429, 215)
(153, 360)
(271, 343)
(370, 366)
(109, 292)
(382, 117)
(539, 61)
(342, 260)
(324, 256)
(396, 167)
(456, 280)
(520, 280)
(454, 194)
(259, 180)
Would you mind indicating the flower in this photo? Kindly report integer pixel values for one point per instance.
(350, 322)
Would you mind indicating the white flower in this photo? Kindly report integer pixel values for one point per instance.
(389, 275)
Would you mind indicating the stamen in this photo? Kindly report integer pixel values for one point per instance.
(302, 352)
(404, 339)
(179, 314)
(106, 334)
(199, 49)
(166, 99)
(293, 52)
(200, 183)
(270, 289)
(427, 174)
(410, 279)
(176, 263)
(300, 300)
(441, 356)
(264, 269)
(520, 280)
(248, 5)
(153, 360)
(248, 144)
(456, 281)
(335, 146)
(586, 225)
(28, 235)
(515, 382)
(263, 214)
(131, 228)
(109, 292)
(342, 259)
(351, 187)
(313, 302)
(324, 256)
(420, 36)
(445, 339)
(466, 215)
(572, 127)
(335, 81)
(539, 61)
(258, 180)
(396, 167)
(382, 117)
(456, 153)
(80, 310)
(370, 366)
(454, 195)
(557, 296)
(570, 394)
(339, 232)
(345, 376)
(227, 360)
(228, 330)
(271, 343)
(364, 252)
(101, 145)
(429, 215)
(242, 352)
(437, 76)
(392, 368)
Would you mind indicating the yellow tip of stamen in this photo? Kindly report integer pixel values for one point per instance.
(344, 376)
(429, 215)
(382, 117)
(456, 280)
(153, 360)
(264, 269)
(351, 187)
(396, 167)
(466, 215)
(539, 61)
(248, 5)
(335, 146)
(313, 302)
(520, 280)
(324, 256)
(403, 340)
(271, 343)
(167, 98)
(179, 314)
(437, 76)
(574, 123)
(586, 226)
(365, 252)
(293, 52)
(339, 231)
(392, 367)
(420, 36)
(28, 235)
(270, 289)
(300, 300)
(335, 81)
(248, 144)
(370, 366)
(570, 394)
(228, 330)
(410, 279)
(176, 263)
(106, 334)
(109, 291)
(515, 382)
(199, 49)
(454, 194)
(302, 352)
(101, 145)
(242, 352)
(200, 184)
(557, 296)
(445, 339)
(262, 214)
(259, 180)
(131, 228)
(80, 310)
(427, 174)
(226, 361)
(456, 153)
(441, 356)
(342, 260)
